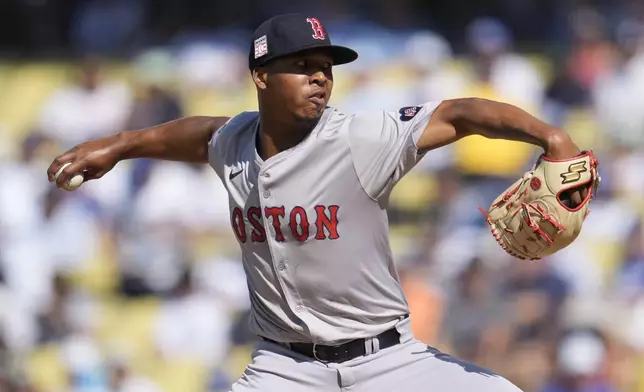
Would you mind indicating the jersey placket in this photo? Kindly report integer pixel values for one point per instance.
(278, 253)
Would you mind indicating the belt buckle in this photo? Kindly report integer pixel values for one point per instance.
(315, 354)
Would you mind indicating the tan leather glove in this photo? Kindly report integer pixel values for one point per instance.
(535, 217)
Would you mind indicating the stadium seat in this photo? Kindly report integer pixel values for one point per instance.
(238, 359)
(127, 325)
(25, 89)
(413, 192)
(45, 369)
(179, 376)
(98, 276)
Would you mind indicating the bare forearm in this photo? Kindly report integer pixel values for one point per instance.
(496, 120)
(457, 118)
(184, 140)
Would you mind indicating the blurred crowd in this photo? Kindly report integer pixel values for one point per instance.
(134, 283)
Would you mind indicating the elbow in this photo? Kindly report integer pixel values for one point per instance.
(461, 112)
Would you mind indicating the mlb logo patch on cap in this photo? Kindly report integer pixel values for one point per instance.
(261, 47)
(408, 112)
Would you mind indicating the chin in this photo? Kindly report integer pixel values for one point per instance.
(310, 115)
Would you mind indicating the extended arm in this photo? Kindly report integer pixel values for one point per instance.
(184, 140)
(458, 118)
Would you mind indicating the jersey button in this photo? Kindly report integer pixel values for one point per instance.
(266, 194)
(281, 266)
(266, 175)
(299, 309)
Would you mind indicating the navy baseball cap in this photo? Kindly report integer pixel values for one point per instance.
(287, 34)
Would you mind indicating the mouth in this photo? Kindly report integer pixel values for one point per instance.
(318, 98)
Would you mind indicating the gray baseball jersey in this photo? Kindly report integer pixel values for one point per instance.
(312, 224)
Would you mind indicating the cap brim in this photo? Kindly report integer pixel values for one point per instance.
(339, 54)
(342, 55)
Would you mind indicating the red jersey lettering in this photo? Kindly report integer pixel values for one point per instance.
(330, 222)
(239, 226)
(276, 213)
(255, 219)
(300, 233)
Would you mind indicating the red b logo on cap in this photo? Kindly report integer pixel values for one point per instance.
(318, 29)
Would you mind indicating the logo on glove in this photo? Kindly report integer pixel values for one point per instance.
(574, 172)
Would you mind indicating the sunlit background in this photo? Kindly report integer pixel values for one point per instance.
(134, 283)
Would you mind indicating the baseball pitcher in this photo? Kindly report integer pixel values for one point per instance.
(308, 190)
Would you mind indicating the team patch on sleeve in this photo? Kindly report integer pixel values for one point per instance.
(408, 112)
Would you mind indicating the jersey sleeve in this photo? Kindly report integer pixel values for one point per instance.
(223, 144)
(384, 145)
(216, 149)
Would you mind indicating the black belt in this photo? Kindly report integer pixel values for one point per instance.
(345, 352)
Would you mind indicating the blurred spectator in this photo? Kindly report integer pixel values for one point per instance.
(591, 56)
(5, 362)
(528, 363)
(566, 92)
(425, 296)
(24, 188)
(630, 279)
(123, 379)
(204, 330)
(538, 278)
(628, 179)
(208, 65)
(154, 104)
(150, 263)
(473, 308)
(108, 27)
(84, 363)
(53, 324)
(434, 76)
(580, 364)
(175, 204)
(510, 76)
(372, 91)
(223, 279)
(616, 94)
(88, 107)
(65, 239)
(182, 197)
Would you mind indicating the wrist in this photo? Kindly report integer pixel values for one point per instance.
(124, 145)
(559, 145)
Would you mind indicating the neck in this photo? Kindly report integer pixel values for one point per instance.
(280, 134)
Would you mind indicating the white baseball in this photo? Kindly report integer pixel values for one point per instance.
(75, 182)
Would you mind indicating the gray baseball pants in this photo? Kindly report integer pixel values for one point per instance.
(411, 366)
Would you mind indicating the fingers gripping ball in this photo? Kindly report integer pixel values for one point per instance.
(74, 183)
(534, 217)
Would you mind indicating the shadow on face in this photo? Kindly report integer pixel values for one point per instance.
(298, 84)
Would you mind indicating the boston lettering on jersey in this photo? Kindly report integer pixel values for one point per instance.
(300, 224)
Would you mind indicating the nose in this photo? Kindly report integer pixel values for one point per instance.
(319, 78)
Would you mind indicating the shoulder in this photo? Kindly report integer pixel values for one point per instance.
(350, 121)
(229, 140)
(236, 126)
(238, 123)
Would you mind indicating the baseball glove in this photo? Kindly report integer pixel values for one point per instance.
(535, 217)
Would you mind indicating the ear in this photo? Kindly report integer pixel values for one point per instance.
(260, 78)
